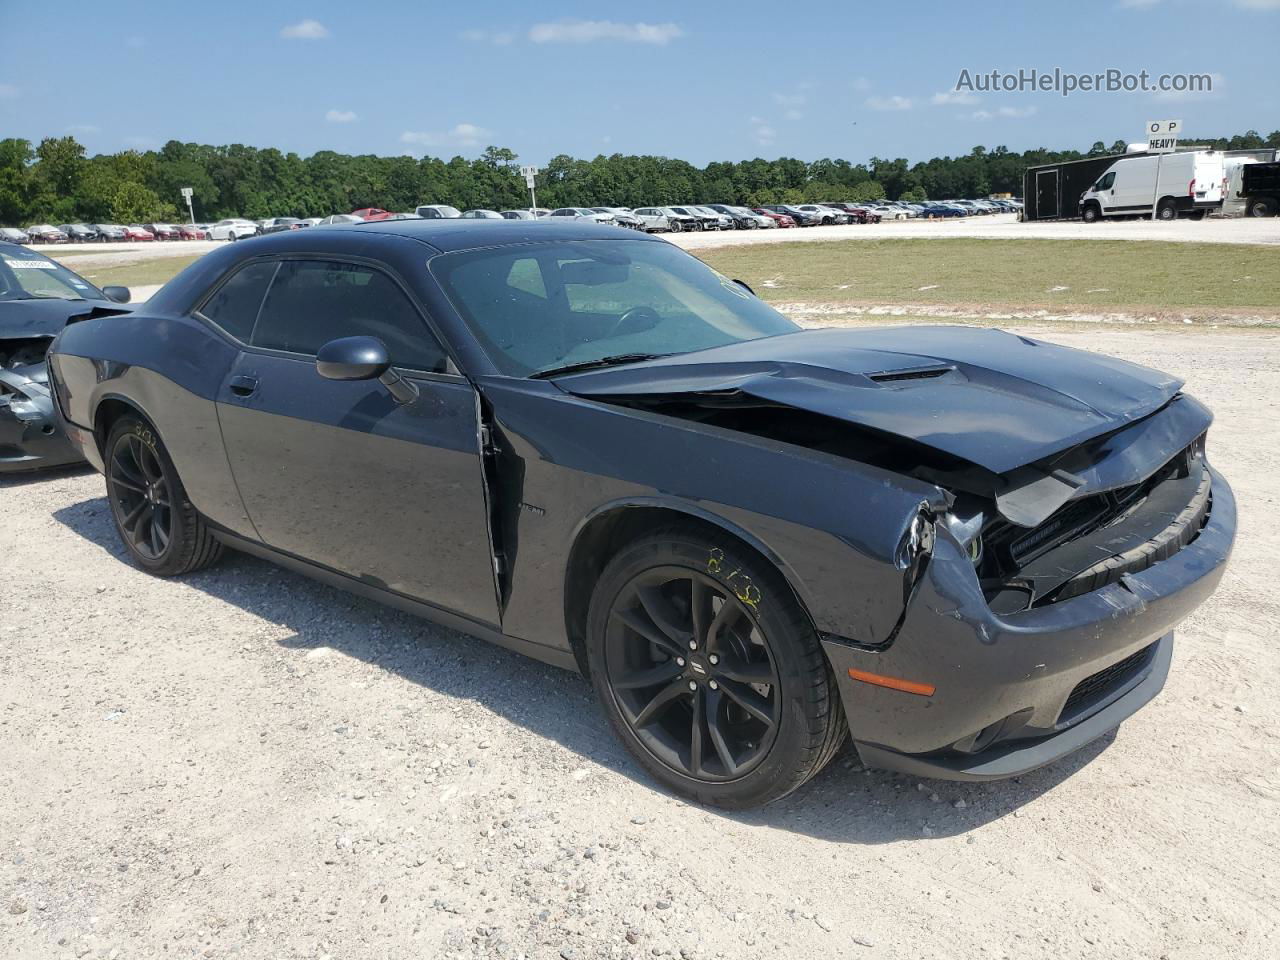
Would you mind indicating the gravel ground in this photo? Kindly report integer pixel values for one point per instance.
(244, 763)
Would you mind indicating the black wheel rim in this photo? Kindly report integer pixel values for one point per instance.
(692, 674)
(140, 496)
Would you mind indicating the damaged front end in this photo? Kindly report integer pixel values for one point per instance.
(31, 437)
(1085, 517)
(1080, 523)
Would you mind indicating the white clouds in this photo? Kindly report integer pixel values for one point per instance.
(793, 101)
(499, 38)
(959, 98)
(593, 31)
(1004, 113)
(305, 30)
(341, 116)
(763, 133)
(462, 135)
(8, 91)
(890, 103)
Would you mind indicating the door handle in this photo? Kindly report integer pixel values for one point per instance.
(244, 386)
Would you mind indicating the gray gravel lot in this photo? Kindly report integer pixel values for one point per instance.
(244, 763)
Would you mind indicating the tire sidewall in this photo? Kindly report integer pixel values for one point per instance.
(771, 607)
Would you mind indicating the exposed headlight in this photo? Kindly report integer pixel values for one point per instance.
(968, 533)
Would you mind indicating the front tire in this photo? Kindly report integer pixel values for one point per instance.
(709, 672)
(1091, 213)
(156, 522)
(1261, 208)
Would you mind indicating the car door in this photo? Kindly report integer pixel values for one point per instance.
(1105, 191)
(339, 472)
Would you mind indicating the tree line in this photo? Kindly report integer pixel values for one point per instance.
(55, 181)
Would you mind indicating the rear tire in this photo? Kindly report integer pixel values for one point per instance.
(1261, 208)
(156, 522)
(732, 704)
(1166, 211)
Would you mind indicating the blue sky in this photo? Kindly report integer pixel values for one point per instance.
(702, 81)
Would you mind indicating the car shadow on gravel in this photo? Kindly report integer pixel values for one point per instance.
(844, 803)
(29, 477)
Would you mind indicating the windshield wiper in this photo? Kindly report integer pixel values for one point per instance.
(611, 361)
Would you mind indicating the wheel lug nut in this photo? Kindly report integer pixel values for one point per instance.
(693, 644)
(714, 685)
(692, 685)
(679, 661)
(714, 659)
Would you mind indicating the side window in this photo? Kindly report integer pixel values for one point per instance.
(314, 301)
(234, 306)
(1106, 182)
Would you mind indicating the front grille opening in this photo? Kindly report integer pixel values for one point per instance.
(1015, 559)
(1093, 689)
(1072, 517)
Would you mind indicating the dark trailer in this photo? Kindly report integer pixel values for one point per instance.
(1052, 191)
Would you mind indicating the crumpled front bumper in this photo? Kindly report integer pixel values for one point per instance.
(1002, 682)
(31, 436)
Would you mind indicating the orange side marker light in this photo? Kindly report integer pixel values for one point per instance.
(894, 683)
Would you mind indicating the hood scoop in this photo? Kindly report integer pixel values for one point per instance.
(901, 376)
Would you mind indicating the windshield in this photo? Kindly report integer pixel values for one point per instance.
(27, 275)
(537, 307)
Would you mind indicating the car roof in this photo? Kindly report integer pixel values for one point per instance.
(452, 235)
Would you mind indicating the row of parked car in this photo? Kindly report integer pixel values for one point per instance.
(674, 219)
(102, 232)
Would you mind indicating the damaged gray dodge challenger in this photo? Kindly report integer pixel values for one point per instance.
(37, 296)
(965, 548)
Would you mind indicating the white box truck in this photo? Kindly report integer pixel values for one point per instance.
(1166, 185)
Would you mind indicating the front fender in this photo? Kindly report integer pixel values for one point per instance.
(832, 526)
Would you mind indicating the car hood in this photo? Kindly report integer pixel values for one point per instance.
(988, 397)
(20, 319)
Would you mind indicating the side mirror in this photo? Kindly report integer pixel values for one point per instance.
(353, 358)
(117, 294)
(363, 358)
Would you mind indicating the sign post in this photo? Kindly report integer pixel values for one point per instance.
(529, 173)
(186, 195)
(1162, 138)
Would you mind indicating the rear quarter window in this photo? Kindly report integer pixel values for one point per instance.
(235, 304)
